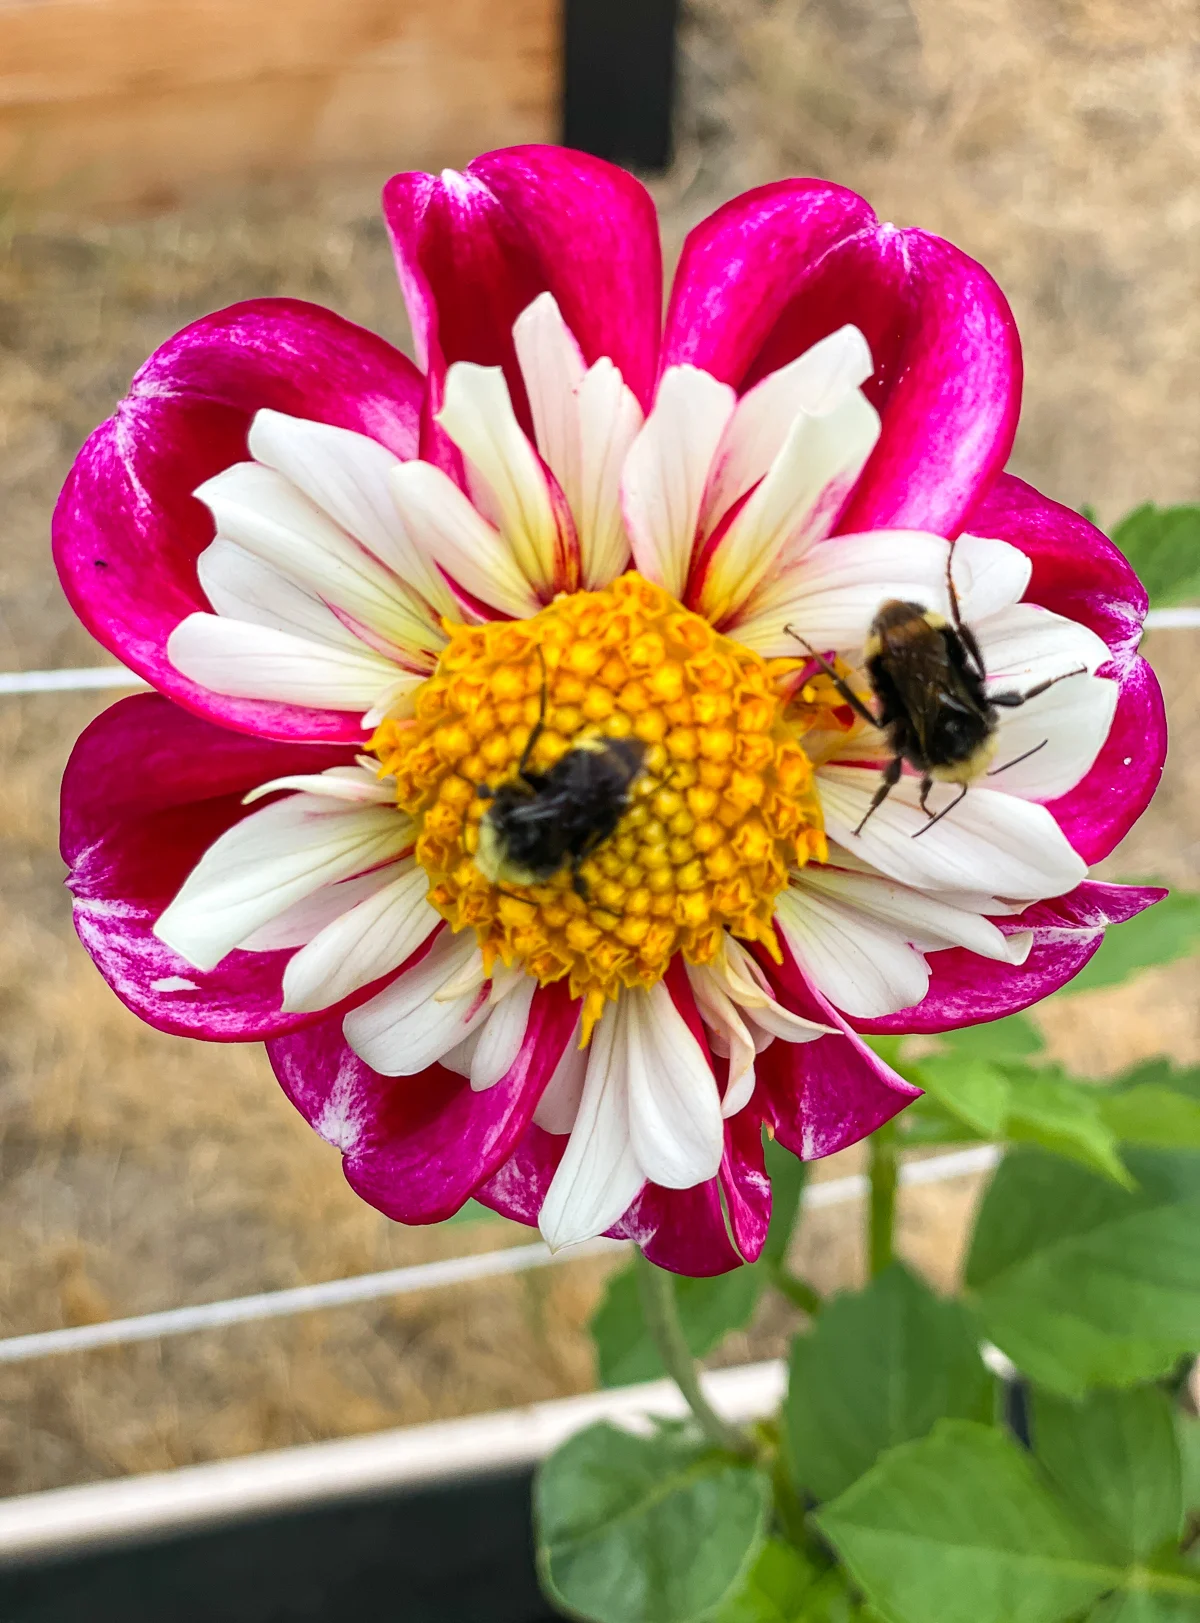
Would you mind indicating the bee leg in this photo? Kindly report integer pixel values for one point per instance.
(535, 732)
(1010, 701)
(962, 792)
(891, 777)
(483, 791)
(579, 884)
(966, 635)
(1017, 759)
(847, 693)
(926, 786)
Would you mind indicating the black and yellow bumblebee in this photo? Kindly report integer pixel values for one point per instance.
(541, 822)
(930, 685)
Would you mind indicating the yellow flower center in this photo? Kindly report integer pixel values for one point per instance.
(723, 806)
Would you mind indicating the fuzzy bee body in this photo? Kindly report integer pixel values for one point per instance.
(933, 702)
(541, 822)
(929, 683)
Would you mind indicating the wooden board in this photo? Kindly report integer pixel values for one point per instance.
(144, 101)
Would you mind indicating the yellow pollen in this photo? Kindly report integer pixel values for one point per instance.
(724, 805)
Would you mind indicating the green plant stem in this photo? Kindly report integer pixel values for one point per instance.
(883, 1173)
(656, 1290)
(798, 1291)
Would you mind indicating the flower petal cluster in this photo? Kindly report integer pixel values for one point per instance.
(369, 592)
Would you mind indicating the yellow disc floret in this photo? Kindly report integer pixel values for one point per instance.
(724, 804)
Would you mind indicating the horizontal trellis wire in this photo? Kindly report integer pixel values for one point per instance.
(422, 1276)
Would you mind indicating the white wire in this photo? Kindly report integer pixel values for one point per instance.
(178, 1321)
(116, 676)
(76, 681)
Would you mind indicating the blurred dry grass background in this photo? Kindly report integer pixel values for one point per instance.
(1057, 140)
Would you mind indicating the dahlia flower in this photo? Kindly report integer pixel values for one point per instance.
(359, 584)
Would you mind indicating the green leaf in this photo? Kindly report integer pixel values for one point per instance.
(708, 1310)
(1063, 1116)
(1027, 1104)
(976, 1091)
(652, 1529)
(1014, 1037)
(776, 1588)
(959, 1528)
(1153, 1115)
(1163, 933)
(1188, 1432)
(1115, 1460)
(1160, 1073)
(1137, 1606)
(928, 1123)
(879, 1367)
(788, 1175)
(1163, 545)
(1085, 1284)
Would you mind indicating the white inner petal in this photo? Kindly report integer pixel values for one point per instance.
(988, 576)
(478, 415)
(862, 965)
(990, 841)
(728, 1035)
(667, 470)
(502, 1037)
(408, 1026)
(559, 1104)
(813, 384)
(256, 662)
(261, 866)
(242, 587)
(831, 595)
(452, 534)
(357, 783)
(599, 1175)
(795, 504)
(1048, 745)
(610, 420)
(1024, 644)
(265, 514)
(368, 940)
(346, 475)
(299, 923)
(552, 366)
(585, 420)
(675, 1120)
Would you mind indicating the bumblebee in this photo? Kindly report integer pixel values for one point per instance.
(929, 683)
(540, 822)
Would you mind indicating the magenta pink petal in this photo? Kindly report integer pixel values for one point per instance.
(822, 1097)
(416, 1147)
(682, 1230)
(146, 791)
(1100, 810)
(1079, 573)
(768, 275)
(742, 267)
(127, 529)
(594, 230)
(745, 1183)
(475, 249)
(965, 990)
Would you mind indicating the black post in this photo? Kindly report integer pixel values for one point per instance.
(619, 59)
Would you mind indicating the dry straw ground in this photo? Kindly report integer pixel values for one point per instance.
(1055, 139)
